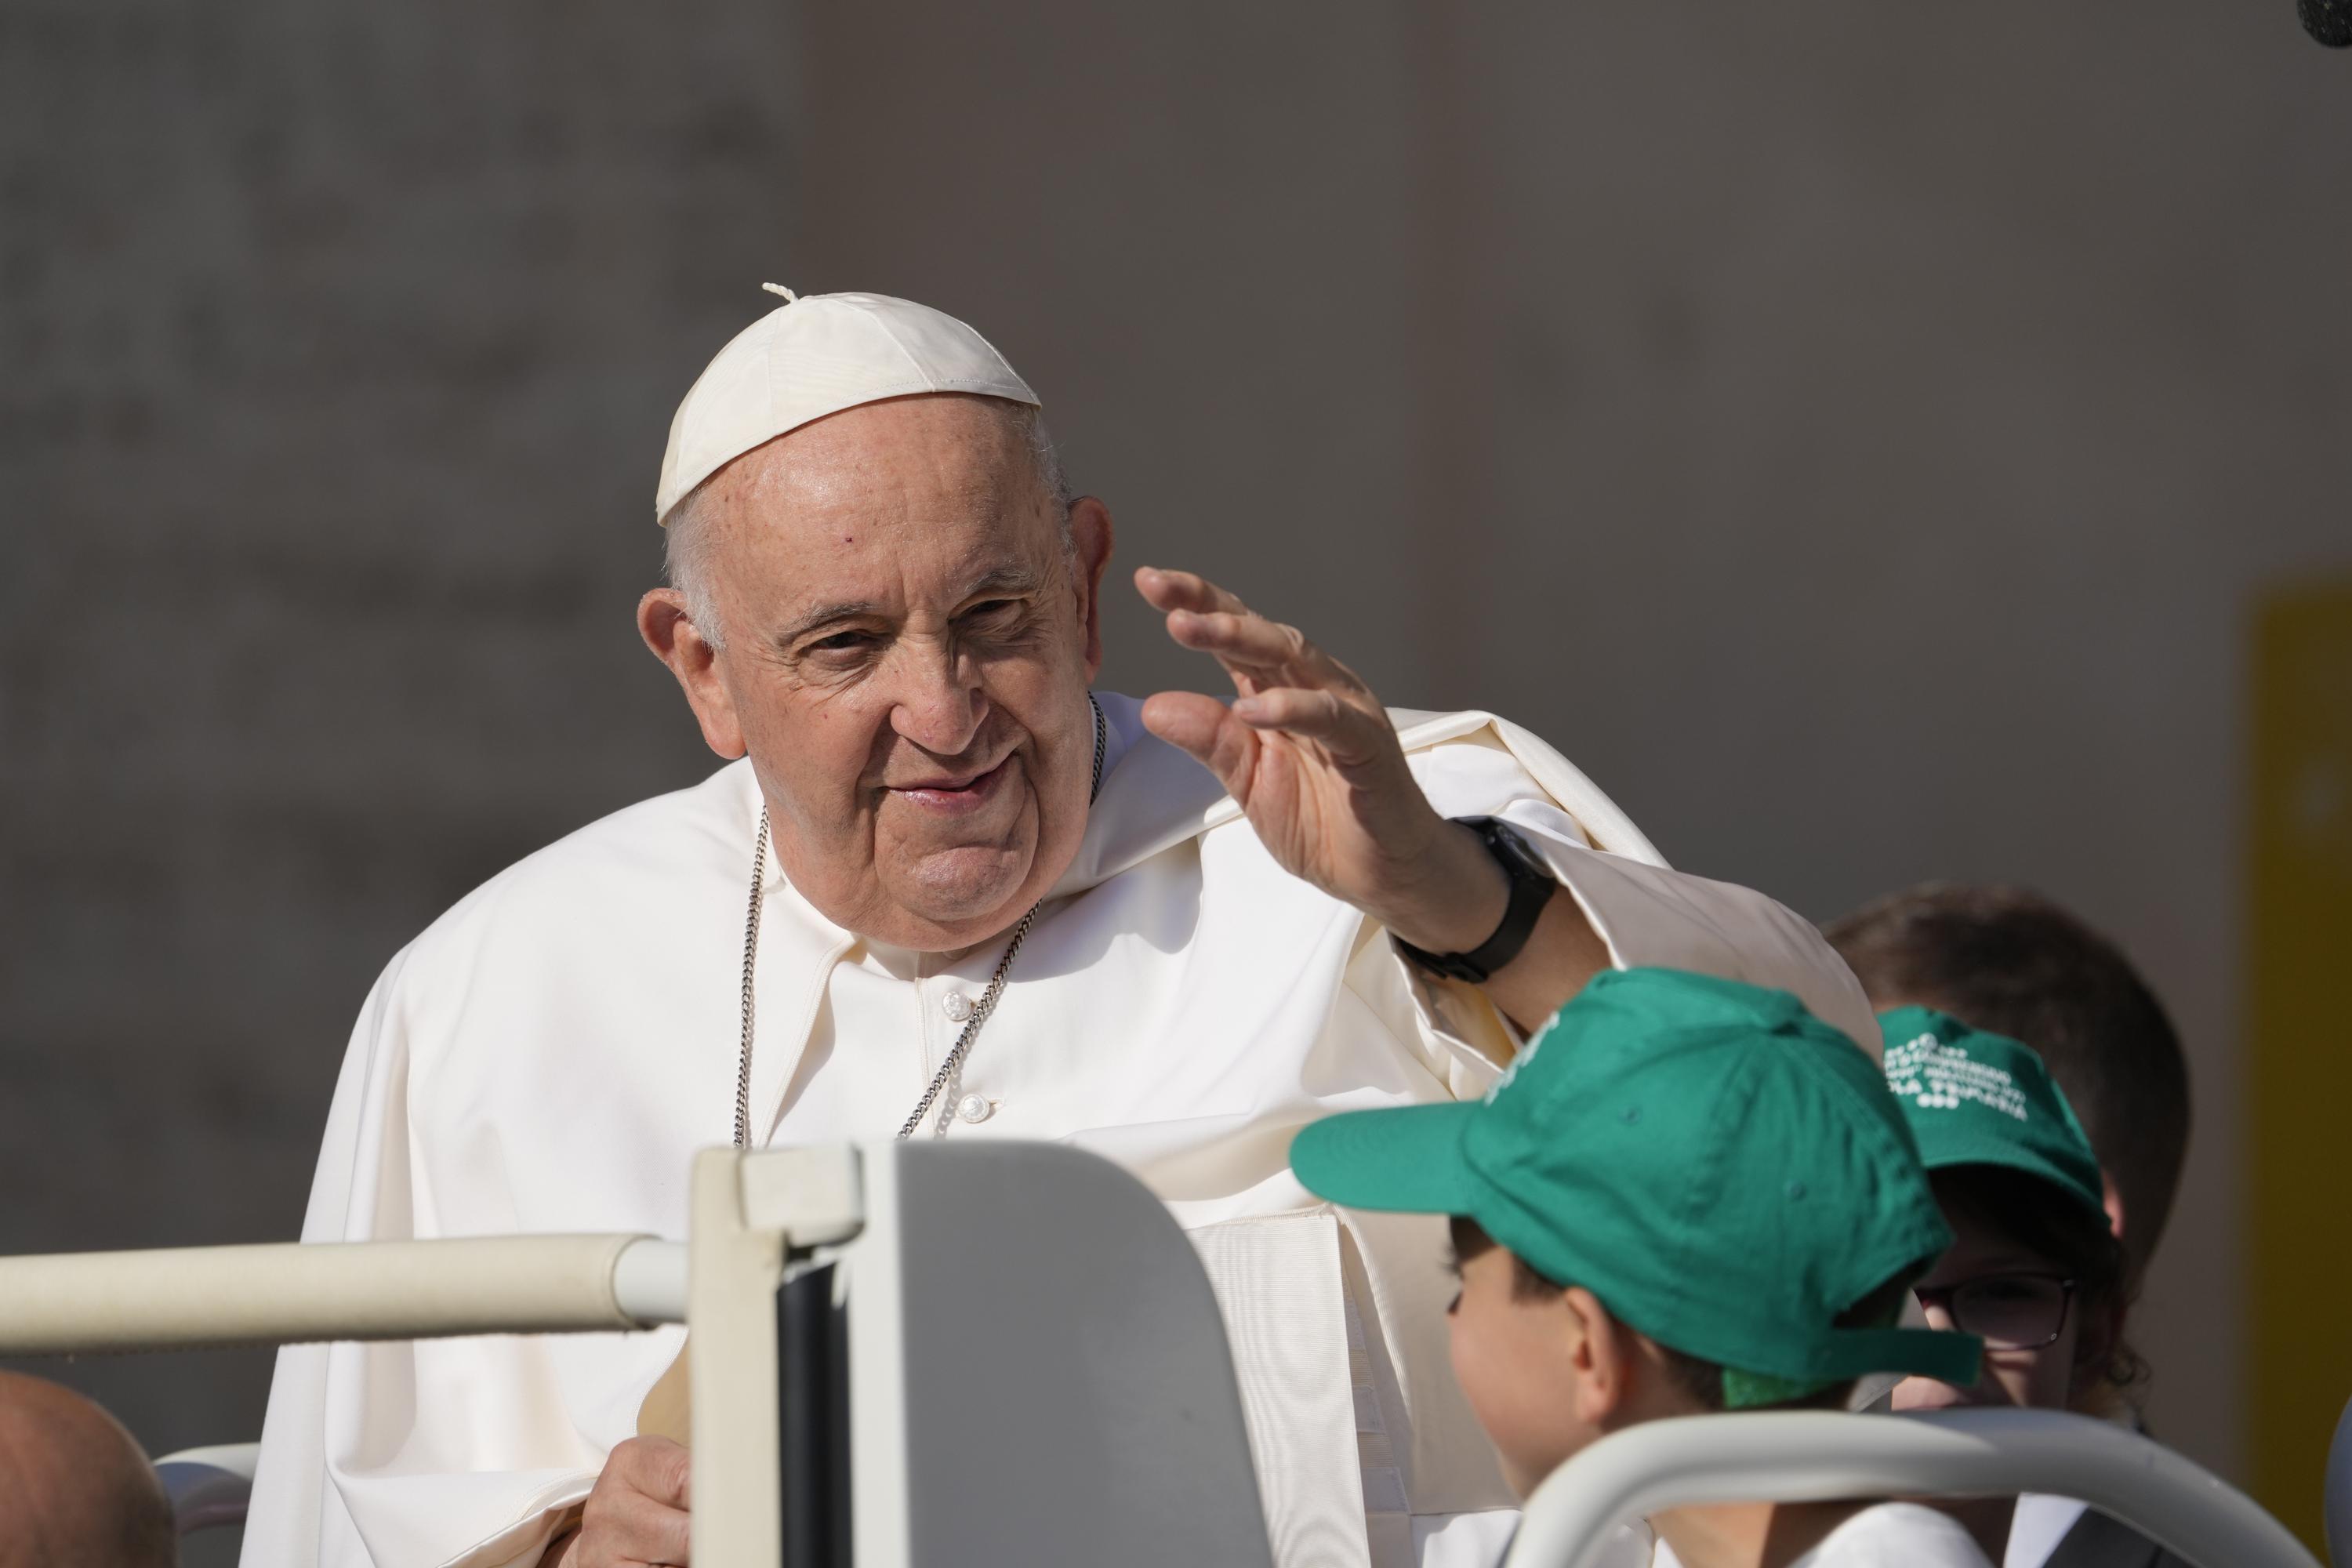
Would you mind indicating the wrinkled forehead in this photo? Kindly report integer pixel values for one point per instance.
(921, 495)
(941, 453)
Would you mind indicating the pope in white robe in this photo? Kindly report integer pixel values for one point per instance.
(885, 601)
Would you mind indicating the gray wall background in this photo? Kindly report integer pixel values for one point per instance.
(337, 346)
(1851, 432)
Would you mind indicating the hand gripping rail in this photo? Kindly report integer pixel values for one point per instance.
(291, 1293)
(1817, 1456)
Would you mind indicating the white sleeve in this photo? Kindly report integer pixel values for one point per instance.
(1647, 914)
(455, 1452)
(285, 1521)
(1651, 916)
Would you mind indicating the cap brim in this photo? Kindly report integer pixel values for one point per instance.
(1407, 1160)
(1942, 1354)
(2026, 1162)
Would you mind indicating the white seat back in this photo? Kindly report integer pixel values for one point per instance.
(1010, 1356)
(1817, 1456)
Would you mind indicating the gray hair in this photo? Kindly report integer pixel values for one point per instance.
(686, 541)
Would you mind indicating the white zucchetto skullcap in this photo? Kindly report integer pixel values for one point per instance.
(815, 356)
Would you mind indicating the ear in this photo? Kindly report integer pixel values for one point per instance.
(678, 642)
(1090, 541)
(2114, 1202)
(1599, 1348)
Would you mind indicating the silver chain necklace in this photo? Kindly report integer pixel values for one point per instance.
(950, 1070)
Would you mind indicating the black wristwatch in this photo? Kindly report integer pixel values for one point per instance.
(1532, 886)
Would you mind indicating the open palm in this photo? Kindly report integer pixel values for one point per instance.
(1305, 749)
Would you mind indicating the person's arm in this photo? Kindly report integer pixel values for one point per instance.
(1461, 905)
(1309, 755)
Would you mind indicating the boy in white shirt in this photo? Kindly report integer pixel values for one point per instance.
(1687, 1196)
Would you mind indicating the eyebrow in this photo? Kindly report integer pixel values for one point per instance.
(826, 615)
(1004, 579)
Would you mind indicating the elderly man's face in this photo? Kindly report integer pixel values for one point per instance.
(907, 646)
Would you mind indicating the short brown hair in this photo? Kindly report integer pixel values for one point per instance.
(2007, 959)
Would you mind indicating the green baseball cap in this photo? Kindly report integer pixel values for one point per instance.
(1726, 1172)
(1975, 1099)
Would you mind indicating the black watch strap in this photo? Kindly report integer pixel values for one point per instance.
(1532, 886)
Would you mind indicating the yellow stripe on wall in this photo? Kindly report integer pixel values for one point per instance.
(2298, 1042)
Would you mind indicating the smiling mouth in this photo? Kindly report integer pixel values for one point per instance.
(951, 794)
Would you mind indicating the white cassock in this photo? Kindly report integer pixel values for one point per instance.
(548, 1055)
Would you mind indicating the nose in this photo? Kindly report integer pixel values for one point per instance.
(938, 703)
(1938, 1313)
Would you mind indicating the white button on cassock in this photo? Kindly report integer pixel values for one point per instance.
(975, 1108)
(957, 1005)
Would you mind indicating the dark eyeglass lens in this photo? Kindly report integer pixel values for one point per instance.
(2010, 1312)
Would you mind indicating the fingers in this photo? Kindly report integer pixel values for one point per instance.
(1316, 713)
(1165, 590)
(656, 1467)
(1348, 732)
(1225, 740)
(1285, 683)
(636, 1513)
(1205, 729)
(1250, 646)
(1242, 638)
(626, 1529)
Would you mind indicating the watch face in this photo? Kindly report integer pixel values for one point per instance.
(1516, 854)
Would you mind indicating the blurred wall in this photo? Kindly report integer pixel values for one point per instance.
(1848, 431)
(337, 346)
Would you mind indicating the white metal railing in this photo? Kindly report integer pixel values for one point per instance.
(1819, 1455)
(289, 1292)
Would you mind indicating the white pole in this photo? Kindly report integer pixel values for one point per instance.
(290, 1293)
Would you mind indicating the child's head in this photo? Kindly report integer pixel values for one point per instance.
(2009, 960)
(2034, 1269)
(1687, 1194)
(1548, 1368)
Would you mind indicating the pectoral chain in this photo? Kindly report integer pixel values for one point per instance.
(941, 1091)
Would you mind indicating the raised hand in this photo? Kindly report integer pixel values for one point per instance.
(1307, 752)
(1309, 755)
